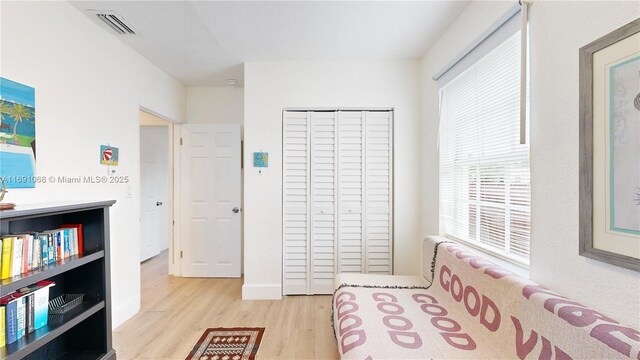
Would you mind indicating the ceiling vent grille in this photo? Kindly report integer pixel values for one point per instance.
(116, 22)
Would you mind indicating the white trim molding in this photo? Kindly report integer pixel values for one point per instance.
(262, 292)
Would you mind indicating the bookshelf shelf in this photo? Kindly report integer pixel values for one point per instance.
(85, 331)
(42, 336)
(8, 286)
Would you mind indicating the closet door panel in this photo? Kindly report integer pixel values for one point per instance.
(350, 190)
(323, 201)
(295, 203)
(378, 198)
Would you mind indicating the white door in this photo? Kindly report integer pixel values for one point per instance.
(296, 176)
(210, 200)
(154, 190)
(351, 164)
(323, 202)
(378, 194)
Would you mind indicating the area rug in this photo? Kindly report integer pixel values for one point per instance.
(227, 344)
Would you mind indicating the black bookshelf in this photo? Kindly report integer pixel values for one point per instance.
(85, 331)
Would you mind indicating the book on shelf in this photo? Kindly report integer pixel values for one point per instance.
(21, 302)
(2, 331)
(7, 244)
(16, 256)
(22, 253)
(30, 312)
(25, 311)
(27, 253)
(78, 237)
(10, 303)
(38, 302)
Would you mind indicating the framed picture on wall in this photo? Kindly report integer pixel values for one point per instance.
(610, 148)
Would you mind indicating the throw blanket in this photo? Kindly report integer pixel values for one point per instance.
(473, 309)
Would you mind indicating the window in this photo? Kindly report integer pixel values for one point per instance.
(484, 170)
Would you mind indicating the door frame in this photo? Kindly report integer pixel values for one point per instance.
(174, 182)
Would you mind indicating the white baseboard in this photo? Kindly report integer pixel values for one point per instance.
(261, 292)
(124, 312)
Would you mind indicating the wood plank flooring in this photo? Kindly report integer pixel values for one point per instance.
(176, 311)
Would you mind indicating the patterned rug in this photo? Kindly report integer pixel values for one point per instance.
(227, 344)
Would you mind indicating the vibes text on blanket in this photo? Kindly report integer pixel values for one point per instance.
(474, 309)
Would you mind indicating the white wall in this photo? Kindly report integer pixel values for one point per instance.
(272, 86)
(557, 30)
(217, 105)
(89, 88)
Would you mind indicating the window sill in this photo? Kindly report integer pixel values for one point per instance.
(509, 264)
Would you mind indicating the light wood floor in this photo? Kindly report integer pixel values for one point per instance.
(176, 311)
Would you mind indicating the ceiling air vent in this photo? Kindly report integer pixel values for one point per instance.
(116, 22)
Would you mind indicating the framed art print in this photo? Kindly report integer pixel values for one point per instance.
(610, 148)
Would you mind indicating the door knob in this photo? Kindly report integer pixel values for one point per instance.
(158, 203)
(235, 210)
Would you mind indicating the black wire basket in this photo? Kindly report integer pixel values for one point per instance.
(64, 303)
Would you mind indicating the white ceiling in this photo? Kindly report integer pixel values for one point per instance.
(206, 42)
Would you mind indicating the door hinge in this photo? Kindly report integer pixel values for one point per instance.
(180, 141)
(180, 254)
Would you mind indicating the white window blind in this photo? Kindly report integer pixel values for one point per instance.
(484, 170)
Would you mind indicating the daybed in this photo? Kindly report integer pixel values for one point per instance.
(466, 307)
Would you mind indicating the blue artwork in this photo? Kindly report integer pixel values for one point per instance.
(624, 147)
(17, 134)
(260, 159)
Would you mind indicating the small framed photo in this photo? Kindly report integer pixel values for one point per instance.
(260, 159)
(610, 148)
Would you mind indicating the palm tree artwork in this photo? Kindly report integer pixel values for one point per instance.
(4, 110)
(19, 113)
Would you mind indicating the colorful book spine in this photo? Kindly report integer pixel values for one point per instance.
(59, 243)
(21, 317)
(30, 312)
(41, 304)
(67, 249)
(11, 318)
(79, 237)
(16, 256)
(44, 245)
(52, 248)
(7, 244)
(3, 333)
(25, 253)
(73, 240)
(37, 253)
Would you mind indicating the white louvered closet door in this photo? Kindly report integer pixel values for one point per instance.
(323, 202)
(351, 192)
(337, 198)
(295, 224)
(378, 197)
